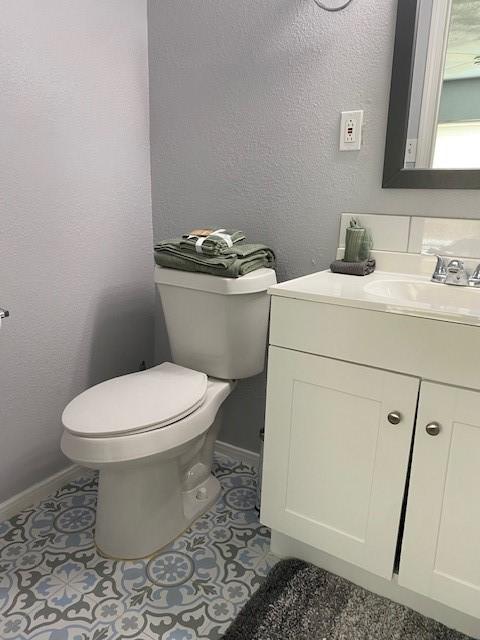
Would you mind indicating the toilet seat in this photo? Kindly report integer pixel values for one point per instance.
(95, 451)
(136, 402)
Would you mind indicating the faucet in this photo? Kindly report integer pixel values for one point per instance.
(440, 272)
(454, 273)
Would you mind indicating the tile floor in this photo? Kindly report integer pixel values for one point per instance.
(55, 586)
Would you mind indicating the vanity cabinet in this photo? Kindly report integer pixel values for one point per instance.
(335, 466)
(374, 467)
(441, 545)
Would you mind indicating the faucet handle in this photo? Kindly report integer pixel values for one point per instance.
(474, 280)
(456, 273)
(440, 272)
(455, 266)
(456, 263)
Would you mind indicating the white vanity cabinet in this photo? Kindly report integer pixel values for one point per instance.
(335, 467)
(441, 546)
(369, 458)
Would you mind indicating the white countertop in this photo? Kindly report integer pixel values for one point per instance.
(388, 292)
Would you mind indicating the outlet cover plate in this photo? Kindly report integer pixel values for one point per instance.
(351, 124)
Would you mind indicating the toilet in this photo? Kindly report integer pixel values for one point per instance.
(152, 434)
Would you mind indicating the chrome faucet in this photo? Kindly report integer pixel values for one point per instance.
(440, 272)
(454, 273)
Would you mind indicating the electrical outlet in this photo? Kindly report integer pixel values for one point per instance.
(411, 150)
(351, 130)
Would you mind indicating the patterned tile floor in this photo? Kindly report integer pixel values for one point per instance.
(55, 586)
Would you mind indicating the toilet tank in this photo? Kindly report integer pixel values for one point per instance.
(216, 325)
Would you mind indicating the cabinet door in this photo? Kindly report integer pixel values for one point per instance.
(334, 466)
(440, 555)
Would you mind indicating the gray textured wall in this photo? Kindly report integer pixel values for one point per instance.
(75, 240)
(245, 104)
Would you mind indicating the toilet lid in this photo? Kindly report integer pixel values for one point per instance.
(152, 398)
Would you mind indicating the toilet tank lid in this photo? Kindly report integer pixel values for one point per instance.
(137, 401)
(253, 282)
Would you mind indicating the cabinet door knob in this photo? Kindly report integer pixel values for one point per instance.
(394, 417)
(433, 429)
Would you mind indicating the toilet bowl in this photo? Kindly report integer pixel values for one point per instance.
(155, 479)
(151, 434)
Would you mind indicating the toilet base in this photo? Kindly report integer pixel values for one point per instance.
(196, 502)
(145, 504)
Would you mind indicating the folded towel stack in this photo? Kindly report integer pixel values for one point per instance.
(217, 252)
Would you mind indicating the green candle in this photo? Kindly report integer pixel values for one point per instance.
(353, 244)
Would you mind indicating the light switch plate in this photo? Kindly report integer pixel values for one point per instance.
(351, 124)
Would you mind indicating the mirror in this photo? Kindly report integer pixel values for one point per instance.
(433, 136)
(444, 118)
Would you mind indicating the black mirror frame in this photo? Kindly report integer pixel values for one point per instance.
(395, 176)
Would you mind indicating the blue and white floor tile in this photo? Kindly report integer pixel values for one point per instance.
(55, 586)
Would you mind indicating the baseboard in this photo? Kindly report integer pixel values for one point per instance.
(39, 491)
(232, 451)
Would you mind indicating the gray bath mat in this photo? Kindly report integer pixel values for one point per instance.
(301, 602)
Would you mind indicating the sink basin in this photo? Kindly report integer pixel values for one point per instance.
(388, 292)
(428, 295)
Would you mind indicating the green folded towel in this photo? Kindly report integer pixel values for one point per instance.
(242, 259)
(217, 243)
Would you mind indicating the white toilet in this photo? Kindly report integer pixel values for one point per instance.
(152, 434)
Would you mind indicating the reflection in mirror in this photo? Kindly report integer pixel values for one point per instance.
(444, 117)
